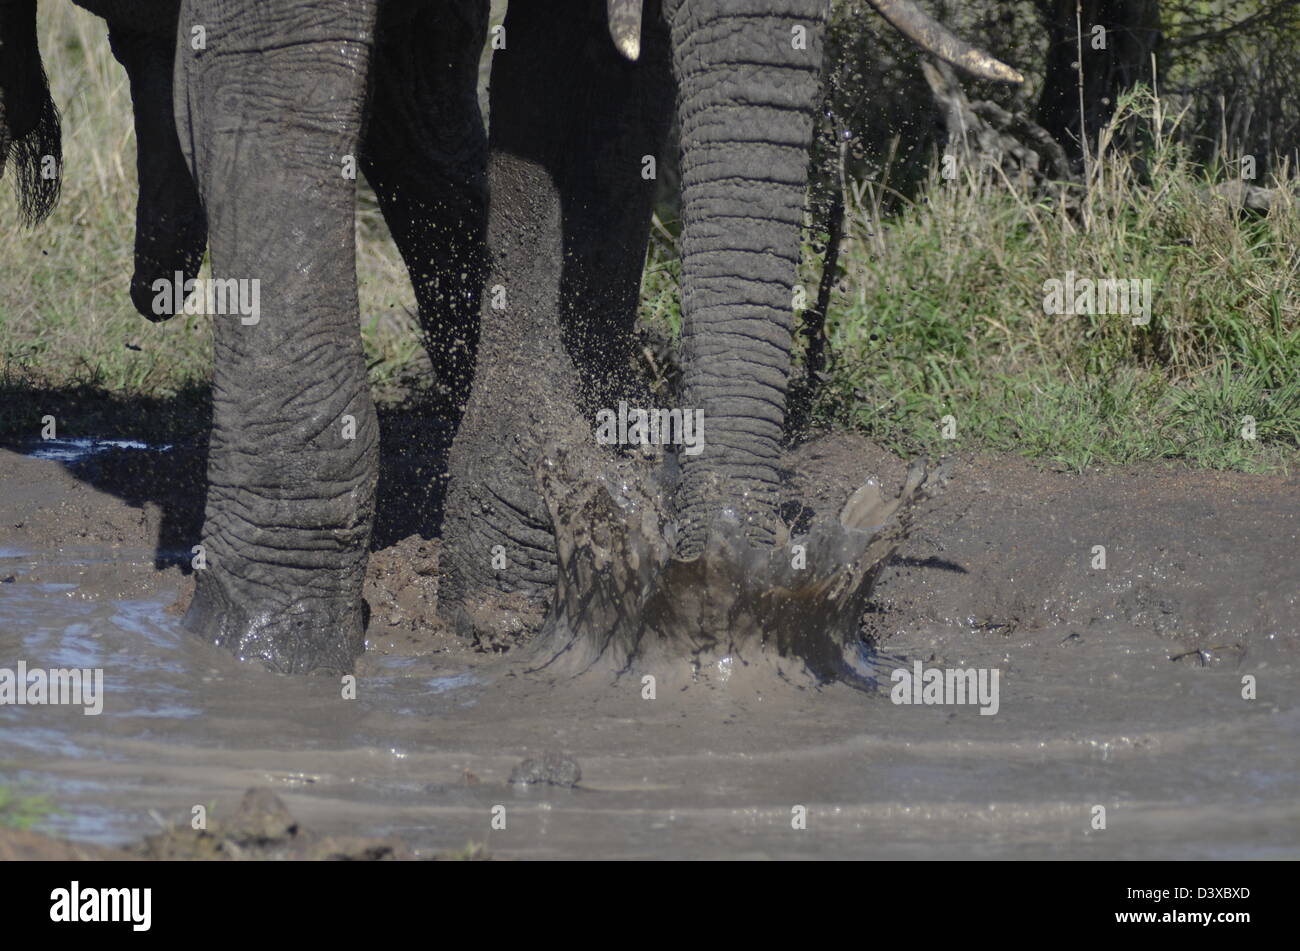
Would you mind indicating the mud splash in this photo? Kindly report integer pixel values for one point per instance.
(735, 616)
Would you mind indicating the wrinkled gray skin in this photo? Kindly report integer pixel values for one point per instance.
(570, 121)
(293, 454)
(567, 228)
(745, 95)
(270, 115)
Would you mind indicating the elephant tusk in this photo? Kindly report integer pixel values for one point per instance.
(933, 37)
(625, 26)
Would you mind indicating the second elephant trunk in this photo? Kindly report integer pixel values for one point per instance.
(748, 74)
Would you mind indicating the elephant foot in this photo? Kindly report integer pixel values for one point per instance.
(498, 569)
(498, 548)
(285, 638)
(735, 616)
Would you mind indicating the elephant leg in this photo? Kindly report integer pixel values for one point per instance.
(170, 228)
(269, 115)
(748, 74)
(425, 155)
(569, 209)
(606, 171)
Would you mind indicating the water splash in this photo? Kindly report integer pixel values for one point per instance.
(734, 616)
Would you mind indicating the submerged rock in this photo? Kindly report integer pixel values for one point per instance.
(554, 769)
(262, 817)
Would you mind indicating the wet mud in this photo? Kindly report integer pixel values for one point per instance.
(1121, 687)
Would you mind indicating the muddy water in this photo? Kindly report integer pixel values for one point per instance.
(1183, 766)
(1088, 716)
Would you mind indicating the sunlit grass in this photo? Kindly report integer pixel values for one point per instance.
(940, 312)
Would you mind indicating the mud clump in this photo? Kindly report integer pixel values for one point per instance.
(553, 769)
(401, 590)
(263, 817)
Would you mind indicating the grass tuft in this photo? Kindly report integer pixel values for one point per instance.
(23, 812)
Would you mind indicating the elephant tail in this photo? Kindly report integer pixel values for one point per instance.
(30, 138)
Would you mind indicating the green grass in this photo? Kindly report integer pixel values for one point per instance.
(940, 312)
(937, 309)
(22, 812)
(472, 852)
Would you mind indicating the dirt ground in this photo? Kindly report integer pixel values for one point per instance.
(1200, 573)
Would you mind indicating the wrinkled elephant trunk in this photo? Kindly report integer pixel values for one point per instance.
(748, 75)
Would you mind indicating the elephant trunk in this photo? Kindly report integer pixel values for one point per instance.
(748, 74)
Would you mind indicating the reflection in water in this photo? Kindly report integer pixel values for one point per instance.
(74, 449)
(692, 774)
